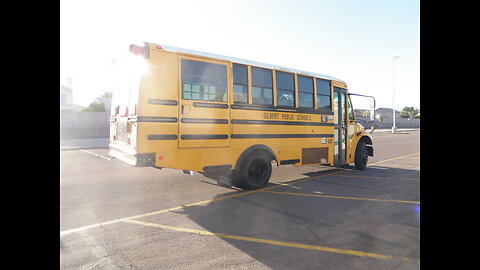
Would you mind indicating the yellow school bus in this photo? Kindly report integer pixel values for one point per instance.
(196, 111)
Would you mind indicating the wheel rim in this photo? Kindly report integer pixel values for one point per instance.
(257, 172)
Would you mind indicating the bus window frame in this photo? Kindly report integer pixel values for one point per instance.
(293, 92)
(252, 86)
(313, 92)
(204, 60)
(329, 95)
(350, 109)
(246, 85)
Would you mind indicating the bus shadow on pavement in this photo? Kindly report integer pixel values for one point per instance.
(376, 171)
(376, 227)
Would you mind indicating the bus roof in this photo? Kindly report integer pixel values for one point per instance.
(243, 61)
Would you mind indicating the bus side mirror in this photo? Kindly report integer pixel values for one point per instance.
(378, 120)
(372, 109)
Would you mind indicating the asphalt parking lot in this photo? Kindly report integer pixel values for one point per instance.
(114, 216)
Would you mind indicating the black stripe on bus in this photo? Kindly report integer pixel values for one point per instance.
(278, 136)
(154, 119)
(253, 107)
(279, 109)
(204, 137)
(272, 122)
(162, 137)
(204, 121)
(210, 105)
(168, 102)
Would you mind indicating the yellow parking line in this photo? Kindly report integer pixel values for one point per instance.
(376, 177)
(62, 233)
(397, 165)
(227, 197)
(385, 160)
(271, 242)
(339, 197)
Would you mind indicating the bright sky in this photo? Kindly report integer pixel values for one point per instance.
(347, 39)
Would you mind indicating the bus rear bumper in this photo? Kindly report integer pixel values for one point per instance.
(134, 159)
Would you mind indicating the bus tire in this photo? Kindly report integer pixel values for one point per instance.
(255, 171)
(361, 156)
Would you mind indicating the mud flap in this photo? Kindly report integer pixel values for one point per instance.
(370, 150)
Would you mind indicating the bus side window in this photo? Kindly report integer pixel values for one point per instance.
(350, 109)
(240, 84)
(285, 89)
(204, 81)
(323, 95)
(305, 91)
(262, 86)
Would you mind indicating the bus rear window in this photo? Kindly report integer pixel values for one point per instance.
(124, 79)
(204, 81)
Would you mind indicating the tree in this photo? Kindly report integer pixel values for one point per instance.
(107, 94)
(94, 107)
(409, 112)
(366, 113)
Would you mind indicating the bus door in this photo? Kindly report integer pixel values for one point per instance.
(203, 104)
(340, 122)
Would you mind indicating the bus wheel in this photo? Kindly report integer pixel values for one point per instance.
(361, 156)
(255, 171)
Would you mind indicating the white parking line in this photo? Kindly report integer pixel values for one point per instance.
(98, 155)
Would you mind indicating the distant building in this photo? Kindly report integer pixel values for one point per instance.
(387, 112)
(66, 93)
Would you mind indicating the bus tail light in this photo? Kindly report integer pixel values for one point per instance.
(136, 50)
(160, 157)
(139, 50)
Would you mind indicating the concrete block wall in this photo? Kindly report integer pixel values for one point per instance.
(84, 124)
(399, 123)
